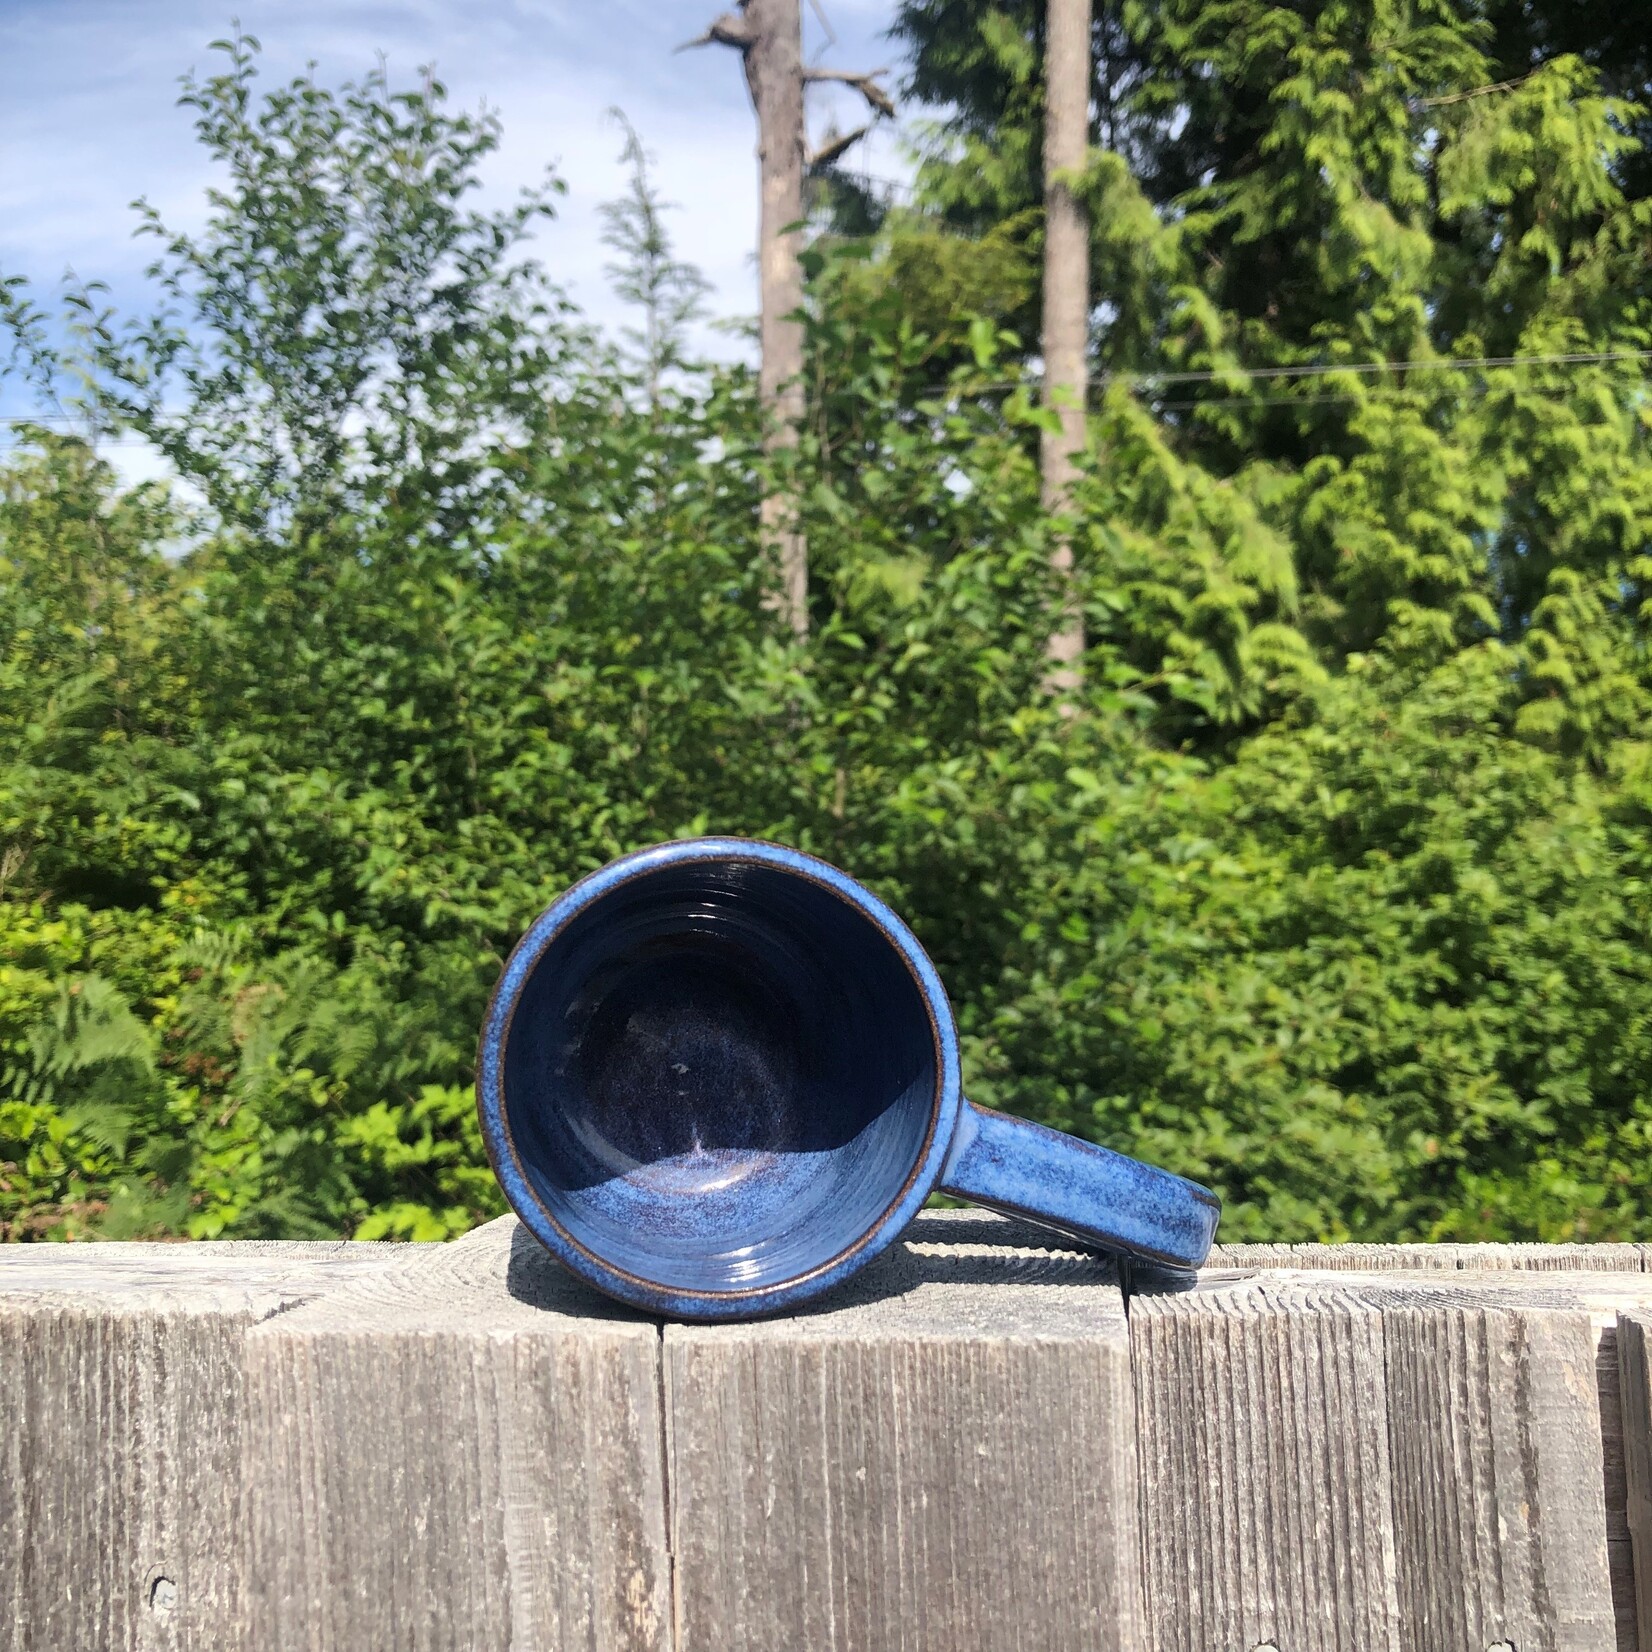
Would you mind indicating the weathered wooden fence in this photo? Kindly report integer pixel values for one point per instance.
(979, 1444)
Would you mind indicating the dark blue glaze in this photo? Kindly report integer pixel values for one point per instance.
(719, 1076)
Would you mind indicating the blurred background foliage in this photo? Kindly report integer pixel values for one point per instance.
(1332, 886)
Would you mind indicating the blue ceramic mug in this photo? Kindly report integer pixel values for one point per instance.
(719, 1076)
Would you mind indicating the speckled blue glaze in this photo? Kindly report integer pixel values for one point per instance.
(1078, 1188)
(719, 1076)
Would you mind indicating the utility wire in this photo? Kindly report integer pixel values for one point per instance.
(100, 441)
(1576, 358)
(1451, 364)
(1302, 370)
(1290, 401)
(1311, 370)
(1212, 375)
(66, 418)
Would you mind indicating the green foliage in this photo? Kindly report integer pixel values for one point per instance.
(669, 292)
(1386, 975)
(1329, 886)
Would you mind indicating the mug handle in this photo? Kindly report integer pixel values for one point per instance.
(1090, 1193)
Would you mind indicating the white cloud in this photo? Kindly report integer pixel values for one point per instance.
(88, 119)
(87, 116)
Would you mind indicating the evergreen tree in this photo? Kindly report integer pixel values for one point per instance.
(1312, 223)
(670, 293)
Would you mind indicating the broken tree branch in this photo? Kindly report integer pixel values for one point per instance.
(727, 30)
(834, 145)
(865, 84)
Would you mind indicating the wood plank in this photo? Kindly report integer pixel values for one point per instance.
(460, 1456)
(1619, 1549)
(1525, 1274)
(1634, 1350)
(1515, 1258)
(1249, 1256)
(121, 1392)
(1336, 1258)
(1346, 1446)
(1604, 1297)
(1265, 1469)
(942, 1455)
(1496, 1442)
(1376, 1460)
(1616, 1258)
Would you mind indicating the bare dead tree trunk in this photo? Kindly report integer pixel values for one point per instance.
(774, 73)
(1066, 300)
(769, 37)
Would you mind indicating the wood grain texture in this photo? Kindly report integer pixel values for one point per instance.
(1612, 1258)
(1499, 1506)
(942, 1456)
(1604, 1298)
(1527, 1277)
(464, 1456)
(1634, 1351)
(1614, 1481)
(239, 1446)
(1554, 1258)
(122, 1403)
(1380, 1460)
(1336, 1258)
(1264, 1470)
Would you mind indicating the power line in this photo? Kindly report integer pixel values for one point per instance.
(1452, 364)
(96, 441)
(1333, 399)
(1307, 370)
(1211, 375)
(1576, 358)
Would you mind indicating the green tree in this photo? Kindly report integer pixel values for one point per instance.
(417, 687)
(1328, 881)
(1309, 222)
(648, 274)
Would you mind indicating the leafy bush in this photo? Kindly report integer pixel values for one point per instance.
(1332, 885)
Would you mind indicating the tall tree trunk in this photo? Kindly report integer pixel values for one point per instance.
(774, 72)
(1066, 300)
(768, 34)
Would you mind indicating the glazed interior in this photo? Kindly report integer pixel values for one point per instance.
(719, 1075)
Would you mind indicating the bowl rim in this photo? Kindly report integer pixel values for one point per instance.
(748, 1301)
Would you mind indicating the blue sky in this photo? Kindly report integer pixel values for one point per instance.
(88, 117)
